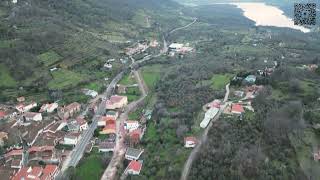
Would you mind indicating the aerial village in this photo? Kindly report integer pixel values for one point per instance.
(37, 138)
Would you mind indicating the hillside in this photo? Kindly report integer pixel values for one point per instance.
(76, 35)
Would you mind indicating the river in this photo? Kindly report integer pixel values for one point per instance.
(267, 15)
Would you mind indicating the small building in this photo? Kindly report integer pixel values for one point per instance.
(90, 92)
(239, 93)
(25, 108)
(3, 115)
(190, 142)
(83, 124)
(131, 125)
(134, 168)
(16, 164)
(3, 137)
(70, 110)
(106, 146)
(133, 154)
(48, 107)
(21, 99)
(121, 89)
(175, 47)
(71, 139)
(116, 102)
(73, 126)
(251, 79)
(237, 109)
(109, 129)
(32, 116)
(107, 65)
(214, 104)
(136, 136)
(112, 114)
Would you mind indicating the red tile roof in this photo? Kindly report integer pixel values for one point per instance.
(190, 138)
(237, 108)
(2, 114)
(116, 98)
(48, 170)
(22, 173)
(135, 166)
(40, 148)
(14, 152)
(81, 121)
(71, 106)
(36, 171)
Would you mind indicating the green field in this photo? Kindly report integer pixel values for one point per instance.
(219, 81)
(127, 80)
(90, 168)
(151, 74)
(94, 86)
(5, 78)
(64, 78)
(49, 58)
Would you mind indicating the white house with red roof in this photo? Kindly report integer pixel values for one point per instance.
(71, 139)
(237, 109)
(25, 108)
(116, 102)
(190, 142)
(49, 107)
(134, 167)
(32, 116)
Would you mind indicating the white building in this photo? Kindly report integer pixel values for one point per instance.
(210, 114)
(25, 108)
(32, 116)
(49, 107)
(131, 125)
(70, 139)
(190, 142)
(175, 46)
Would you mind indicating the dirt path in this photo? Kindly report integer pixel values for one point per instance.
(203, 140)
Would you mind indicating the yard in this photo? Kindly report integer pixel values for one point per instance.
(220, 80)
(127, 80)
(63, 78)
(49, 58)
(151, 74)
(91, 167)
(5, 78)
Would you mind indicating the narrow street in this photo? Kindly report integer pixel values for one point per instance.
(120, 149)
(203, 140)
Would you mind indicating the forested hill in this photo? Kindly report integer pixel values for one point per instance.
(36, 35)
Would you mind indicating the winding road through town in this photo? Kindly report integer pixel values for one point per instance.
(203, 140)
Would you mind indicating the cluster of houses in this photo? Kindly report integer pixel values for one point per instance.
(37, 130)
(138, 48)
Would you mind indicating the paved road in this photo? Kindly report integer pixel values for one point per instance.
(120, 149)
(183, 27)
(195, 151)
(76, 154)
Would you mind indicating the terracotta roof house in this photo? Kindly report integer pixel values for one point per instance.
(135, 136)
(215, 104)
(104, 120)
(133, 154)
(109, 129)
(14, 152)
(32, 116)
(190, 142)
(36, 173)
(134, 168)
(3, 115)
(237, 109)
(116, 102)
(48, 107)
(70, 110)
(106, 146)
